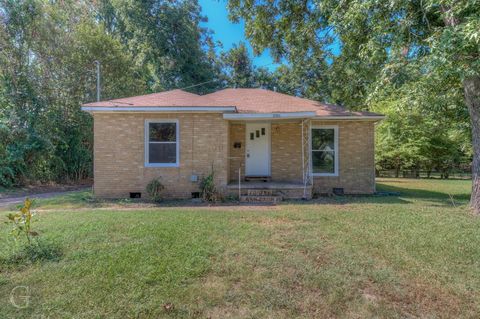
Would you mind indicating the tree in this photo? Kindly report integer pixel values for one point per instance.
(165, 40)
(45, 75)
(400, 139)
(440, 38)
(412, 138)
(238, 67)
(47, 50)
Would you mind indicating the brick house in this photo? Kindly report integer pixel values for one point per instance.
(254, 139)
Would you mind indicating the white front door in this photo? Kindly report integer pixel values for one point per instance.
(257, 162)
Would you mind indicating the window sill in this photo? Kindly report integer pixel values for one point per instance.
(324, 175)
(162, 165)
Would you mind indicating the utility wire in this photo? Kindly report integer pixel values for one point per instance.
(195, 85)
(202, 83)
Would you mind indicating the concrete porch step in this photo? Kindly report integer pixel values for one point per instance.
(260, 199)
(287, 190)
(257, 178)
(260, 192)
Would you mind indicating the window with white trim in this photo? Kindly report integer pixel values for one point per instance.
(161, 143)
(324, 152)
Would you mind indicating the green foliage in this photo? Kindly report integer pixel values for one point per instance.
(22, 222)
(427, 124)
(208, 188)
(47, 71)
(154, 189)
(407, 59)
(165, 40)
(45, 74)
(238, 67)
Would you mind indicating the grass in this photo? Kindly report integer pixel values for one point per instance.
(412, 255)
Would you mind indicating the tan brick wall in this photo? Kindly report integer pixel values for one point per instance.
(207, 138)
(119, 153)
(356, 159)
(356, 155)
(237, 155)
(287, 152)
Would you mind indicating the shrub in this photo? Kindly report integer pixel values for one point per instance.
(28, 250)
(22, 222)
(154, 190)
(208, 188)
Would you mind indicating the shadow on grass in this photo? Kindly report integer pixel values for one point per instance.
(348, 199)
(406, 194)
(400, 195)
(422, 193)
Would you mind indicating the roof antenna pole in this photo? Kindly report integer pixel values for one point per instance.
(97, 63)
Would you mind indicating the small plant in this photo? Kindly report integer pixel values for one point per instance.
(29, 251)
(154, 190)
(22, 222)
(207, 187)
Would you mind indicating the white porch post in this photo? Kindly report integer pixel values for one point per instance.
(306, 160)
(303, 156)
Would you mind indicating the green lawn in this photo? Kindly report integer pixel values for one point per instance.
(413, 255)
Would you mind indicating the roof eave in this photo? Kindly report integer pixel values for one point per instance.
(264, 116)
(172, 109)
(350, 117)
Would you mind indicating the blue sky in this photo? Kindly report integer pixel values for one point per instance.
(229, 33)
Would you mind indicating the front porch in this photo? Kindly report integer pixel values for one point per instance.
(270, 156)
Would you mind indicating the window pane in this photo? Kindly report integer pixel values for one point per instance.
(162, 132)
(162, 153)
(323, 139)
(323, 162)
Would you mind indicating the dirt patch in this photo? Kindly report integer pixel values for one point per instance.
(214, 287)
(242, 311)
(369, 295)
(418, 299)
(228, 311)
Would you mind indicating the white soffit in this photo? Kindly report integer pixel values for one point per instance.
(263, 116)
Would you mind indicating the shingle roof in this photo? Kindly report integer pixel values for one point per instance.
(168, 98)
(245, 101)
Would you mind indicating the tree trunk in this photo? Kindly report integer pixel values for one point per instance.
(471, 87)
